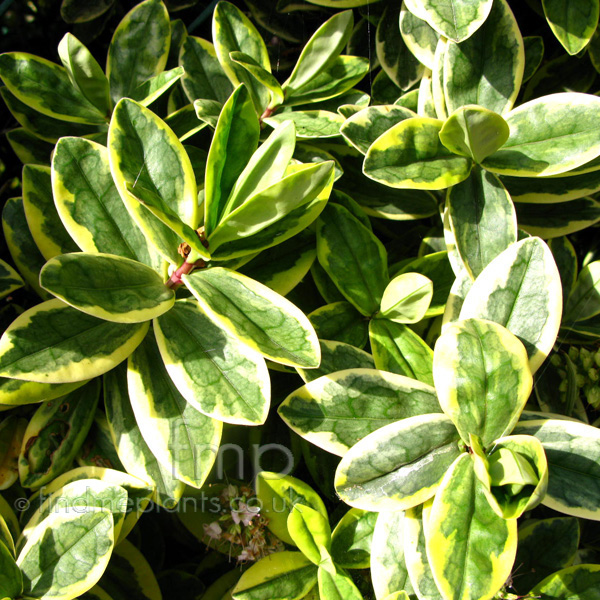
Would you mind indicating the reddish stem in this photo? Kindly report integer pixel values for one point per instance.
(184, 269)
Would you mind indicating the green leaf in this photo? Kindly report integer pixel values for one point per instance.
(320, 51)
(15, 392)
(181, 437)
(406, 298)
(545, 546)
(261, 75)
(309, 153)
(482, 218)
(54, 343)
(28, 148)
(534, 53)
(77, 496)
(212, 370)
(364, 127)
(139, 48)
(234, 32)
(436, 267)
(270, 205)
(10, 280)
(454, 19)
(278, 494)
(556, 220)
(310, 123)
(335, 82)
(311, 534)
(266, 167)
(133, 451)
(584, 300)
(415, 552)
(208, 111)
(44, 222)
(525, 277)
(398, 466)
(419, 36)
(474, 132)
(12, 429)
(388, 565)
(109, 287)
(547, 190)
(257, 316)
(398, 349)
(46, 87)
(337, 586)
(40, 125)
(336, 356)
(76, 11)
(517, 475)
(145, 153)
(341, 236)
(234, 142)
(55, 433)
(85, 73)
(549, 136)
(67, 554)
(487, 69)
(151, 89)
(395, 57)
(204, 77)
(482, 378)
(338, 410)
(284, 267)
(351, 540)
(566, 260)
(129, 575)
(341, 322)
(11, 580)
(279, 576)
(579, 581)
(89, 204)
(410, 155)
(572, 450)
(185, 124)
(573, 23)
(460, 514)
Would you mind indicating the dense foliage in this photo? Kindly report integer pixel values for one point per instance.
(297, 317)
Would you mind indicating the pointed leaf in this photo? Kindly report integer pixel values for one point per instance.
(311, 534)
(89, 204)
(151, 89)
(144, 152)
(234, 142)
(410, 155)
(398, 349)
(261, 75)
(454, 19)
(460, 514)
(46, 87)
(204, 77)
(85, 73)
(482, 219)
(320, 51)
(55, 434)
(213, 371)
(133, 451)
(339, 236)
(180, 436)
(526, 273)
(44, 222)
(573, 23)
(419, 36)
(139, 48)
(256, 315)
(399, 465)
(533, 148)
(336, 411)
(351, 540)
(109, 287)
(54, 343)
(279, 576)
(487, 69)
(234, 32)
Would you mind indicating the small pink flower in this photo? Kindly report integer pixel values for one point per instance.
(213, 530)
